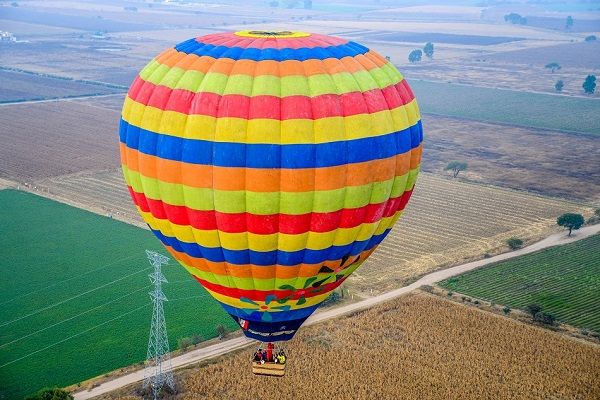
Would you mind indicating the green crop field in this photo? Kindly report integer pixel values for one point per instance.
(75, 298)
(564, 280)
(571, 114)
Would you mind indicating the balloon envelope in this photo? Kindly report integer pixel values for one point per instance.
(270, 165)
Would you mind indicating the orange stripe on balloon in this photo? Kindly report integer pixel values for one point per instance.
(255, 271)
(191, 62)
(269, 180)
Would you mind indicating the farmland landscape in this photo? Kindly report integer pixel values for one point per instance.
(74, 269)
(423, 340)
(80, 295)
(562, 280)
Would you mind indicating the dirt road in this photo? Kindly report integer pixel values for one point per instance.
(221, 348)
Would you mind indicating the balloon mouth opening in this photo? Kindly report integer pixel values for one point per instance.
(272, 34)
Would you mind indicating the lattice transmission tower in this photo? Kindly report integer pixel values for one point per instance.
(158, 369)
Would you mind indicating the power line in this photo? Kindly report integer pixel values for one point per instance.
(73, 317)
(71, 298)
(66, 280)
(73, 336)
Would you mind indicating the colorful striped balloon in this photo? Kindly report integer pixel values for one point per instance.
(270, 165)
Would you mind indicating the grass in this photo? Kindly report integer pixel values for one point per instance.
(415, 347)
(535, 110)
(75, 298)
(564, 280)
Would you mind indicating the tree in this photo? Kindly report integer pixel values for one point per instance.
(506, 310)
(544, 318)
(221, 331)
(184, 343)
(415, 56)
(589, 85)
(51, 394)
(558, 86)
(569, 23)
(195, 339)
(553, 67)
(570, 221)
(514, 243)
(515, 18)
(456, 167)
(428, 50)
(590, 38)
(533, 309)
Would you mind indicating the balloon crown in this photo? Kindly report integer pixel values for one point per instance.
(272, 34)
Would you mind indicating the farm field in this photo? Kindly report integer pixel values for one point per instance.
(446, 221)
(417, 346)
(56, 138)
(570, 55)
(484, 71)
(551, 163)
(507, 106)
(563, 280)
(19, 86)
(75, 301)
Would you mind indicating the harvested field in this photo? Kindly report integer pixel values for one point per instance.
(56, 138)
(103, 192)
(579, 24)
(64, 20)
(447, 222)
(563, 280)
(19, 86)
(480, 71)
(416, 347)
(110, 102)
(442, 38)
(570, 55)
(545, 162)
(535, 110)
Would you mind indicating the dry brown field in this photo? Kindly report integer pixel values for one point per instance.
(42, 140)
(545, 162)
(416, 347)
(531, 77)
(446, 222)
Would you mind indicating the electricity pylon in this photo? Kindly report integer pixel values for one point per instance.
(158, 369)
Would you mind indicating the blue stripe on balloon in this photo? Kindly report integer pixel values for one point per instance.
(225, 154)
(192, 46)
(295, 317)
(268, 258)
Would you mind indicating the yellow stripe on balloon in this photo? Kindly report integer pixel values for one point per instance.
(276, 241)
(271, 131)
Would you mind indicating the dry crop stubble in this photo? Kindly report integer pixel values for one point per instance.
(418, 346)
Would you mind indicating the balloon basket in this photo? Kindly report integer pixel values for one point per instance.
(268, 368)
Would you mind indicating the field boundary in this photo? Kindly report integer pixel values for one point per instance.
(224, 347)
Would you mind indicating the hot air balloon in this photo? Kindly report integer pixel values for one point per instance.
(270, 165)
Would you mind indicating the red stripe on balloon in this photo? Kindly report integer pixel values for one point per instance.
(259, 295)
(269, 224)
(271, 107)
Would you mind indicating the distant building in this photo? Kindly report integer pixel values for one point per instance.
(7, 37)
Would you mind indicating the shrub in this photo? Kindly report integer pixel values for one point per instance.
(51, 394)
(533, 309)
(514, 243)
(506, 310)
(544, 318)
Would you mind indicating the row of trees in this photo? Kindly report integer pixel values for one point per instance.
(589, 85)
(417, 54)
(518, 19)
